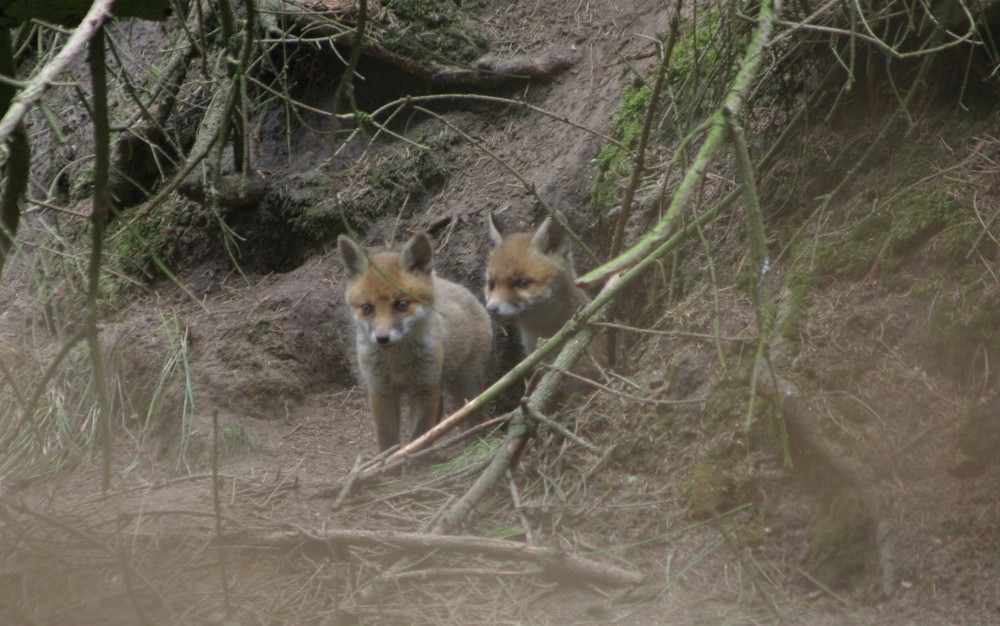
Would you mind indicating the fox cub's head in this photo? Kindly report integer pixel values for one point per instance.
(389, 293)
(526, 269)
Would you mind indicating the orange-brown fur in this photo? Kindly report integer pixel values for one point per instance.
(530, 278)
(415, 333)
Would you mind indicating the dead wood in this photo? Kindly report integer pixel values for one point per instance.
(555, 563)
(488, 71)
(231, 193)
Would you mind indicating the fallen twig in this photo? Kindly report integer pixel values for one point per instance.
(554, 562)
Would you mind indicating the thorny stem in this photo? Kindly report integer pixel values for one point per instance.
(228, 22)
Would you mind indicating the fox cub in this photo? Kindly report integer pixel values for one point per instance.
(415, 333)
(530, 278)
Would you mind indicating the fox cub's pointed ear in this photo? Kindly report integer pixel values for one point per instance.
(550, 238)
(352, 255)
(418, 255)
(496, 233)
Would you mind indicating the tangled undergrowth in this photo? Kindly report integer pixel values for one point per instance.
(793, 367)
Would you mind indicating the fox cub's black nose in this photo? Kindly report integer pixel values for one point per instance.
(383, 339)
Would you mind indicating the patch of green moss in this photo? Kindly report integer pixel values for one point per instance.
(704, 61)
(843, 551)
(719, 482)
(800, 288)
(845, 260)
(144, 243)
(435, 30)
(727, 399)
(853, 255)
(697, 47)
(960, 330)
(920, 213)
(613, 161)
(704, 48)
(420, 172)
(928, 220)
(710, 488)
(234, 439)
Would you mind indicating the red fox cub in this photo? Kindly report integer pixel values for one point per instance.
(530, 278)
(415, 333)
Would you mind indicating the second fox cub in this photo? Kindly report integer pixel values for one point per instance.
(530, 278)
(415, 333)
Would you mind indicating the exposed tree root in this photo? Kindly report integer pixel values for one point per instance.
(488, 71)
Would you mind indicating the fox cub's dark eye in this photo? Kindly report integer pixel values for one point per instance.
(401, 305)
(522, 283)
(490, 284)
(367, 309)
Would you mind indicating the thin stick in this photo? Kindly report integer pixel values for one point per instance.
(217, 510)
(515, 497)
(559, 428)
(555, 561)
(352, 479)
(345, 90)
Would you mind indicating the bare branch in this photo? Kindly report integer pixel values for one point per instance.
(555, 562)
(99, 13)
